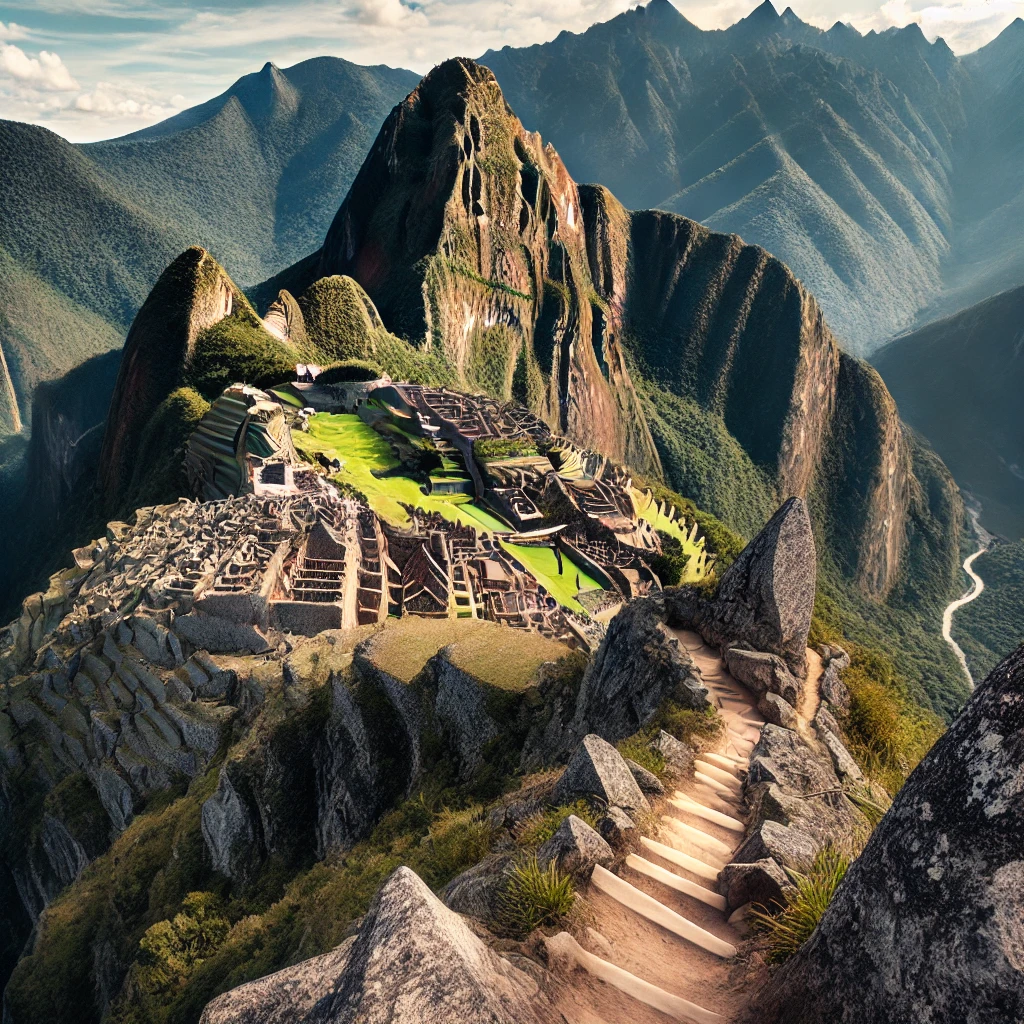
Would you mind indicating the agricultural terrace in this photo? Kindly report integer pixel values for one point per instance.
(369, 465)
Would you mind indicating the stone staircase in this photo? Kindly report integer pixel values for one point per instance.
(663, 936)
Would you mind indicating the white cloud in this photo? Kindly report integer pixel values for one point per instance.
(125, 100)
(11, 31)
(45, 72)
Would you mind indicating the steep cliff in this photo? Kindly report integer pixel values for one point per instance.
(685, 353)
(467, 232)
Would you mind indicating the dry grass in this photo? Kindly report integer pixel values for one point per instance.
(497, 655)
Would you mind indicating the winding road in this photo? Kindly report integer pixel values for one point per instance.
(977, 586)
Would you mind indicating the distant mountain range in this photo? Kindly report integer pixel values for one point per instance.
(255, 175)
(960, 381)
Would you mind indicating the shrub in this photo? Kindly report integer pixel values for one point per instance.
(789, 929)
(535, 897)
(238, 350)
(687, 725)
(540, 827)
(350, 371)
(171, 950)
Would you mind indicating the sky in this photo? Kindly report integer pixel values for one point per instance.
(95, 69)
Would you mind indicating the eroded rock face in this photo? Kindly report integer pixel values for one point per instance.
(926, 927)
(638, 666)
(766, 597)
(416, 962)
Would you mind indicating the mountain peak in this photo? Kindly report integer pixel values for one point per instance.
(765, 13)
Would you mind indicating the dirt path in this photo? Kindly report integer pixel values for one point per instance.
(662, 945)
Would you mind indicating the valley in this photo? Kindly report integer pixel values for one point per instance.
(469, 595)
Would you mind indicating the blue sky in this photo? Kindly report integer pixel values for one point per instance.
(93, 69)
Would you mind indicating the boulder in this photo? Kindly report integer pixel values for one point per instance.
(476, 891)
(766, 596)
(598, 770)
(788, 847)
(575, 848)
(763, 673)
(777, 711)
(761, 882)
(832, 688)
(416, 962)
(647, 781)
(825, 720)
(637, 667)
(282, 998)
(846, 768)
(678, 756)
(927, 925)
(616, 826)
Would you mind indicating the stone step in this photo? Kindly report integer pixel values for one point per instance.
(714, 794)
(685, 803)
(720, 774)
(648, 907)
(675, 881)
(693, 835)
(730, 764)
(694, 865)
(564, 947)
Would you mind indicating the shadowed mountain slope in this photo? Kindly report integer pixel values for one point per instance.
(844, 155)
(959, 381)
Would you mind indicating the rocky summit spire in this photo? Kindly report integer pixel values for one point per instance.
(467, 233)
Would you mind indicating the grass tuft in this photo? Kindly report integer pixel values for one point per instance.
(540, 827)
(788, 930)
(534, 897)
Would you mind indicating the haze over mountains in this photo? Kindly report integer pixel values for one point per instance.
(844, 155)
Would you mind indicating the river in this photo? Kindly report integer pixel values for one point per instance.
(977, 586)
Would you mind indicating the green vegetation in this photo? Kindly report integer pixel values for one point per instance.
(694, 728)
(784, 932)
(171, 949)
(496, 448)
(349, 371)
(542, 564)
(885, 730)
(992, 625)
(492, 360)
(535, 898)
(238, 349)
(503, 658)
(638, 748)
(540, 827)
(471, 275)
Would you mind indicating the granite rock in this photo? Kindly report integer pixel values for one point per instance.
(597, 771)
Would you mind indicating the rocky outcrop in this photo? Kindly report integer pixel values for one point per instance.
(926, 925)
(575, 848)
(597, 771)
(413, 961)
(286, 997)
(762, 883)
(764, 601)
(638, 666)
(193, 293)
(798, 803)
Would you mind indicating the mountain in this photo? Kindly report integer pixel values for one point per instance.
(834, 151)
(255, 175)
(959, 382)
(471, 258)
